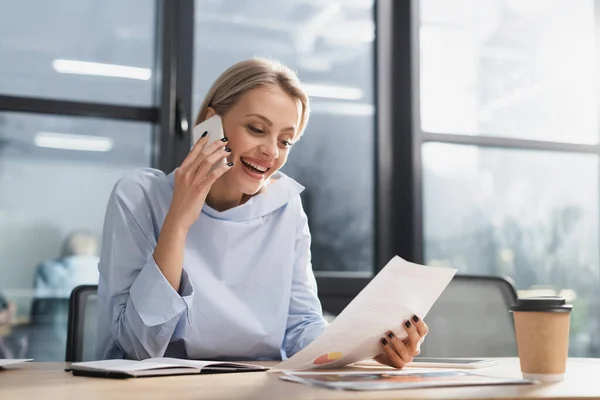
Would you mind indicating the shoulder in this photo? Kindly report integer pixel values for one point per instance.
(142, 194)
(140, 182)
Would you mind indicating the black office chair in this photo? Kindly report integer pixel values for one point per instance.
(81, 334)
(47, 330)
(472, 319)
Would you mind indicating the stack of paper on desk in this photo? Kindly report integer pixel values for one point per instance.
(399, 291)
(397, 379)
(4, 362)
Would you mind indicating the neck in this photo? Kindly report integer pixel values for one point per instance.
(222, 198)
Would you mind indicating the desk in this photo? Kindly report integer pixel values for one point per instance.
(48, 380)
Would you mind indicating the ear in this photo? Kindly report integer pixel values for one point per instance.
(210, 112)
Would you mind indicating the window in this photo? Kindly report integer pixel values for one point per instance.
(79, 50)
(509, 133)
(80, 106)
(522, 69)
(529, 215)
(331, 47)
(56, 174)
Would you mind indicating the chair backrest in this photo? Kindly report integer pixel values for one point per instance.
(81, 334)
(472, 319)
(47, 330)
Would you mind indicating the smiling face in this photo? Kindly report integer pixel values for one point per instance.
(261, 127)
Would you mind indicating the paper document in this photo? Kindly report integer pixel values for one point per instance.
(10, 361)
(399, 291)
(397, 379)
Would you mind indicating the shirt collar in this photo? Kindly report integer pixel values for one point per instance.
(276, 195)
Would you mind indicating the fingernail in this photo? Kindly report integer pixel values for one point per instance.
(383, 341)
(227, 149)
(224, 139)
(415, 318)
(407, 324)
(204, 134)
(391, 335)
(230, 164)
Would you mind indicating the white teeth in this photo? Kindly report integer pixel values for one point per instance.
(258, 167)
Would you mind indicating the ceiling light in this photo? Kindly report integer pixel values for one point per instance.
(73, 142)
(99, 69)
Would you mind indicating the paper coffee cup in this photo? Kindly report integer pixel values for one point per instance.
(542, 329)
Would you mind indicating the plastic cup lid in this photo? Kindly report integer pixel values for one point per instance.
(542, 304)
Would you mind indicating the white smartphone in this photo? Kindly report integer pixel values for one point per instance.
(214, 127)
(468, 363)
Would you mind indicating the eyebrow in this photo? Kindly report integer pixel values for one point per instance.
(268, 122)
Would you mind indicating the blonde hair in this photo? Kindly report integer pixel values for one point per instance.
(251, 74)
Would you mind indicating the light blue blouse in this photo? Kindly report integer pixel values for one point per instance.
(247, 289)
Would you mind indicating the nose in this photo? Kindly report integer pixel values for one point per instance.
(270, 149)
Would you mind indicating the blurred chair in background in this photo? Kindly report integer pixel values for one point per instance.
(472, 319)
(47, 329)
(81, 339)
(53, 283)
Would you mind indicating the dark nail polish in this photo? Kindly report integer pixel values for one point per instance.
(391, 335)
(227, 149)
(407, 324)
(383, 341)
(224, 139)
(230, 163)
(204, 134)
(415, 318)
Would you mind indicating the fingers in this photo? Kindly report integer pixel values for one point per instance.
(383, 359)
(421, 326)
(206, 165)
(195, 151)
(216, 174)
(400, 347)
(208, 150)
(413, 341)
(396, 351)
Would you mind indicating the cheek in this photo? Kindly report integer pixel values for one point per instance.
(281, 160)
(238, 141)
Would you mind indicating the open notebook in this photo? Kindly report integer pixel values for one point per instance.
(157, 367)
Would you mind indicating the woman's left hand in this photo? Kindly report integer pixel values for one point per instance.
(397, 353)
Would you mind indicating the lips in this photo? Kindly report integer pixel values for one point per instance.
(254, 166)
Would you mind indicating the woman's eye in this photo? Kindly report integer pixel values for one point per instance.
(286, 143)
(255, 129)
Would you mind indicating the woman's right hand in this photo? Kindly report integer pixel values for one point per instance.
(193, 180)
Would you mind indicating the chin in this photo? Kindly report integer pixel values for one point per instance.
(249, 189)
(244, 184)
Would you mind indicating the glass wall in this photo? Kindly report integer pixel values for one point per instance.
(521, 69)
(514, 70)
(79, 50)
(330, 45)
(57, 171)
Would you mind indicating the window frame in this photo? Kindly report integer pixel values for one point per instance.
(173, 69)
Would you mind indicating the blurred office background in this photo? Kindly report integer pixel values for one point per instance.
(461, 133)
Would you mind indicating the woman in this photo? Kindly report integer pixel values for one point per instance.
(216, 264)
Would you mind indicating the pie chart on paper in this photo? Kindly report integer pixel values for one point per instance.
(327, 358)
